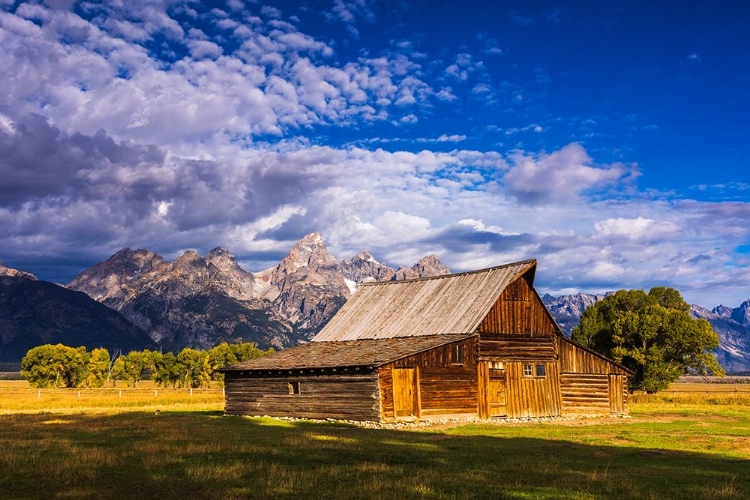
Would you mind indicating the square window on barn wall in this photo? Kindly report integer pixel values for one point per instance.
(457, 354)
(540, 370)
(528, 371)
(293, 387)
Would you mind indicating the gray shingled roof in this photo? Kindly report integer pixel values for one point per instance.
(456, 303)
(367, 353)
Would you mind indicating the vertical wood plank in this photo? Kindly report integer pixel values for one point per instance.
(482, 388)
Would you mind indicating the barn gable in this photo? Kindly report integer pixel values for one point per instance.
(456, 303)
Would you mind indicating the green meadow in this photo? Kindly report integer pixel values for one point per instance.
(668, 448)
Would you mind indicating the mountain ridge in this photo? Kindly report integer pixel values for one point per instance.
(196, 301)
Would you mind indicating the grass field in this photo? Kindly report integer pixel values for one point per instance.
(666, 449)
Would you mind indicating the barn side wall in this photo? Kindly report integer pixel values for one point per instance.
(443, 387)
(351, 396)
(590, 384)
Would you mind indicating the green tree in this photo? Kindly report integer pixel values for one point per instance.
(166, 372)
(55, 366)
(135, 365)
(219, 357)
(226, 354)
(652, 334)
(98, 368)
(248, 350)
(193, 368)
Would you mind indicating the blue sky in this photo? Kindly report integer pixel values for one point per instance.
(607, 140)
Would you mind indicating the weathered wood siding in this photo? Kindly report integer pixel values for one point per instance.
(574, 359)
(618, 394)
(590, 384)
(343, 396)
(532, 396)
(518, 311)
(516, 348)
(441, 386)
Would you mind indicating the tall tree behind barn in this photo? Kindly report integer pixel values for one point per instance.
(476, 344)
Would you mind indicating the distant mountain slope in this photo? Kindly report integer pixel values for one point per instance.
(35, 312)
(733, 327)
(567, 309)
(189, 302)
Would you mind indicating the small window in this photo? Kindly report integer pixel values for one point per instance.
(457, 356)
(540, 370)
(293, 387)
(528, 370)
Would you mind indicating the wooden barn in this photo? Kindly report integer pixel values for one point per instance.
(476, 344)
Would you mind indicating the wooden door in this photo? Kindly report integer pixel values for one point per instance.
(497, 400)
(404, 393)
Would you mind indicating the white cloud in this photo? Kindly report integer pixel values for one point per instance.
(203, 48)
(451, 138)
(558, 176)
(635, 229)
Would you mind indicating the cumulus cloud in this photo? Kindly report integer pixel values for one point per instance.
(559, 175)
(635, 229)
(272, 79)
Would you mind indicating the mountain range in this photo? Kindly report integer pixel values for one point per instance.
(196, 301)
(200, 301)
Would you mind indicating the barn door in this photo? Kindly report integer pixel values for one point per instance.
(616, 394)
(496, 394)
(404, 392)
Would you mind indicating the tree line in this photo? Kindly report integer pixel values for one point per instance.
(63, 366)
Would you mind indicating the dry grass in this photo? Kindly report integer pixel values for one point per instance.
(17, 396)
(111, 447)
(699, 393)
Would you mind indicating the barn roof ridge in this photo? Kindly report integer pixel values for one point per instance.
(447, 276)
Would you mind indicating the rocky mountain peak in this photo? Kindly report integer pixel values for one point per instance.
(723, 310)
(364, 268)
(427, 266)
(742, 314)
(308, 253)
(10, 273)
(220, 256)
(108, 280)
(308, 286)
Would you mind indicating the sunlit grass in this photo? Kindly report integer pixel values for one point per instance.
(17, 396)
(665, 450)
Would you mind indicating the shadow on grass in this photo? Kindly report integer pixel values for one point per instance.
(203, 455)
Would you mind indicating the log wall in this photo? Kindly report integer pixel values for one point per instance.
(342, 396)
(442, 387)
(590, 384)
(585, 394)
(519, 311)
